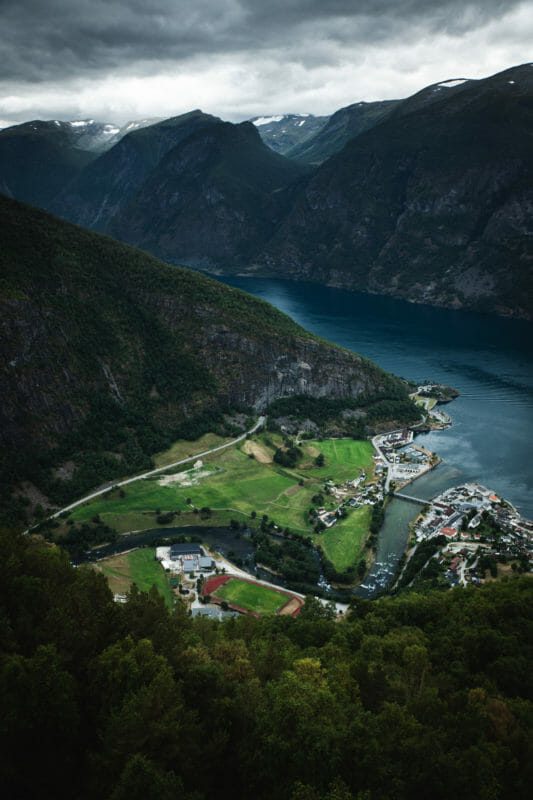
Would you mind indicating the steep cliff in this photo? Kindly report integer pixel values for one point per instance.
(105, 349)
(434, 204)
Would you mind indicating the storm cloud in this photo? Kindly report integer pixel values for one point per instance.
(51, 50)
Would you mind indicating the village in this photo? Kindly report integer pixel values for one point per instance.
(480, 528)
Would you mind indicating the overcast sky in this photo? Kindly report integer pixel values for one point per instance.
(116, 60)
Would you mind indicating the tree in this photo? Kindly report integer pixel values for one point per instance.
(320, 460)
(142, 780)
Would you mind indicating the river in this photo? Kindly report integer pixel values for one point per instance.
(488, 359)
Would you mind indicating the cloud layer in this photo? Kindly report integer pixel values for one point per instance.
(123, 58)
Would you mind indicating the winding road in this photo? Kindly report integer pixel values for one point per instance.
(151, 472)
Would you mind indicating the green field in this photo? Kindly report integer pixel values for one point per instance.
(251, 596)
(233, 485)
(344, 544)
(139, 567)
(345, 458)
(425, 402)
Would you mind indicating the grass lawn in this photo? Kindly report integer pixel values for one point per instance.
(144, 495)
(138, 567)
(425, 402)
(344, 458)
(344, 544)
(251, 596)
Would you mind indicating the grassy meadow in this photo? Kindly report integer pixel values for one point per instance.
(139, 567)
(344, 544)
(241, 480)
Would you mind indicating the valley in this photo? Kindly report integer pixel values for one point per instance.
(266, 400)
(242, 487)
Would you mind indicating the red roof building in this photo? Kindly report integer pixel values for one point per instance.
(448, 532)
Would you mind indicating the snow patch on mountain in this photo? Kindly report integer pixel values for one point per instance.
(267, 120)
(453, 82)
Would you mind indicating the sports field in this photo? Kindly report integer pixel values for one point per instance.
(243, 594)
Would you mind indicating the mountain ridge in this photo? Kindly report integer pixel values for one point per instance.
(427, 198)
(432, 205)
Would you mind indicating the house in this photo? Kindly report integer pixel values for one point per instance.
(449, 532)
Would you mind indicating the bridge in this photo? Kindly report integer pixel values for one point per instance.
(411, 498)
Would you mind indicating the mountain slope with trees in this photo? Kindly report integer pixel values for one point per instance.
(94, 196)
(109, 354)
(428, 198)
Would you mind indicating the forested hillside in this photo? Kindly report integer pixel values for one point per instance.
(422, 697)
(108, 355)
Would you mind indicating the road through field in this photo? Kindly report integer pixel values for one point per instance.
(151, 472)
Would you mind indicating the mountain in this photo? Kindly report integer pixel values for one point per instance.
(428, 198)
(342, 126)
(285, 131)
(86, 134)
(434, 204)
(212, 200)
(113, 133)
(111, 181)
(109, 354)
(38, 158)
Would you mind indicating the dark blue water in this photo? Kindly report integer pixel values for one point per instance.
(489, 360)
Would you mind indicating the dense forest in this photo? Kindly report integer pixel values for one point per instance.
(411, 697)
